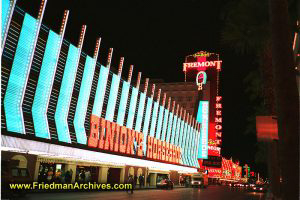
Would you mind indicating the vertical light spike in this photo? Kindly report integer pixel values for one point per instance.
(120, 66)
(41, 10)
(130, 73)
(177, 109)
(138, 81)
(169, 103)
(146, 85)
(109, 57)
(81, 37)
(96, 51)
(180, 113)
(152, 90)
(64, 22)
(173, 106)
(164, 99)
(158, 95)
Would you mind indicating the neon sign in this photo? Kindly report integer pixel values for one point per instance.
(218, 120)
(110, 136)
(201, 79)
(202, 65)
(202, 117)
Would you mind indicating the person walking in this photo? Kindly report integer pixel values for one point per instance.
(141, 181)
(130, 181)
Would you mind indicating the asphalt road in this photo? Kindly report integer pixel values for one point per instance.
(210, 193)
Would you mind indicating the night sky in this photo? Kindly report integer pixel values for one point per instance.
(155, 37)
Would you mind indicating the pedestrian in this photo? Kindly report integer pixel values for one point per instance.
(131, 182)
(135, 180)
(82, 176)
(68, 177)
(148, 181)
(141, 181)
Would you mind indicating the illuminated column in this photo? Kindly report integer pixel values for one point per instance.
(154, 114)
(203, 118)
(66, 90)
(190, 144)
(178, 128)
(46, 79)
(182, 129)
(163, 134)
(173, 135)
(36, 171)
(197, 142)
(133, 101)
(160, 118)
(122, 173)
(186, 125)
(102, 177)
(71, 167)
(101, 86)
(147, 116)
(113, 93)
(187, 139)
(84, 94)
(170, 123)
(8, 7)
(124, 97)
(21, 66)
(140, 113)
(193, 145)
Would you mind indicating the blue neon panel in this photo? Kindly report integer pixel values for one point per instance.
(65, 95)
(112, 99)
(186, 148)
(44, 85)
(173, 135)
(140, 112)
(159, 123)
(177, 131)
(181, 133)
(203, 142)
(197, 146)
(154, 118)
(5, 14)
(100, 92)
(132, 106)
(147, 120)
(123, 103)
(192, 148)
(189, 146)
(83, 99)
(183, 142)
(163, 134)
(169, 127)
(19, 75)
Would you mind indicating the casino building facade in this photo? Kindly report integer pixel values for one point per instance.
(64, 111)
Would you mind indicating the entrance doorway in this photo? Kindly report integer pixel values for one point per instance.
(113, 175)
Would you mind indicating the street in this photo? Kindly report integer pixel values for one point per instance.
(211, 193)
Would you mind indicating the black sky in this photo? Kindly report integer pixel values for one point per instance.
(155, 36)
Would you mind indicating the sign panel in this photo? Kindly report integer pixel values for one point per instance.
(202, 117)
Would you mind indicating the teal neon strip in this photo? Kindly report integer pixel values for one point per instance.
(147, 120)
(183, 143)
(154, 118)
(187, 144)
(65, 94)
(123, 103)
(159, 123)
(19, 75)
(140, 112)
(110, 111)
(202, 117)
(180, 139)
(174, 129)
(177, 132)
(5, 15)
(100, 92)
(131, 112)
(197, 147)
(83, 100)
(44, 85)
(192, 147)
(163, 134)
(169, 127)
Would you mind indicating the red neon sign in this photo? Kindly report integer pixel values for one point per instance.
(202, 65)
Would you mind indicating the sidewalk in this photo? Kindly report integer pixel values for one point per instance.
(154, 187)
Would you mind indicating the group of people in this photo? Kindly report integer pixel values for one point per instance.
(84, 176)
(49, 175)
(133, 180)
